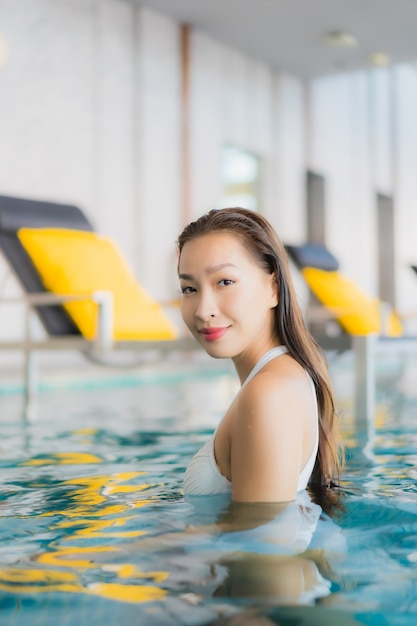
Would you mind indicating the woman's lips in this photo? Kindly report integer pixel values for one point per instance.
(212, 334)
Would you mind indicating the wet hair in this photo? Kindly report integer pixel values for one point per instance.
(260, 239)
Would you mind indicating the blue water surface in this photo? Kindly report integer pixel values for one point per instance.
(94, 528)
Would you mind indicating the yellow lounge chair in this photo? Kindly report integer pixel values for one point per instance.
(81, 287)
(364, 322)
(356, 312)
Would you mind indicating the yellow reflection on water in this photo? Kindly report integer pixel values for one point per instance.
(80, 517)
(69, 557)
(25, 580)
(93, 491)
(92, 528)
(65, 458)
(127, 593)
(22, 575)
(64, 557)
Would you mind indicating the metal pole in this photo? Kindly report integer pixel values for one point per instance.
(105, 319)
(365, 376)
(30, 369)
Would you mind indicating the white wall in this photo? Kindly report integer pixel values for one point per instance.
(158, 144)
(237, 100)
(231, 102)
(405, 183)
(287, 197)
(46, 108)
(363, 139)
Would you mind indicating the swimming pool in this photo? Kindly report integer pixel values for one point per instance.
(94, 528)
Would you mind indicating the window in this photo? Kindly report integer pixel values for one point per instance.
(240, 178)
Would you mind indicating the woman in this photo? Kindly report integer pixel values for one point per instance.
(280, 433)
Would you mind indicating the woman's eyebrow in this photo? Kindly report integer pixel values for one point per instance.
(209, 270)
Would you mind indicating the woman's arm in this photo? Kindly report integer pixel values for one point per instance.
(268, 435)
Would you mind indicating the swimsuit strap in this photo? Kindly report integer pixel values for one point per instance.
(265, 358)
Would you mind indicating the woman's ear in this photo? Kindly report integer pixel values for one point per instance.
(274, 290)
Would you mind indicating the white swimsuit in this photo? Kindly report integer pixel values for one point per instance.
(203, 477)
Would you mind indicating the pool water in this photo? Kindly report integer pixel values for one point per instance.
(94, 528)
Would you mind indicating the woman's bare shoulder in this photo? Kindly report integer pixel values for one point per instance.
(281, 388)
(282, 375)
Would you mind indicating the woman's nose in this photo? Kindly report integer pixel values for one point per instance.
(207, 306)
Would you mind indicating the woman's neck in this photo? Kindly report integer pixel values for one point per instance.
(245, 362)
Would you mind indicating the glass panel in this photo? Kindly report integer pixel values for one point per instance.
(240, 178)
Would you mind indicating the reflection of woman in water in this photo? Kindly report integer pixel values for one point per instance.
(280, 552)
(280, 433)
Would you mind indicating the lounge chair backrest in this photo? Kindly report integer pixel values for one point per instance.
(16, 213)
(312, 255)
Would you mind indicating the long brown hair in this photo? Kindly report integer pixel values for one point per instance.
(260, 238)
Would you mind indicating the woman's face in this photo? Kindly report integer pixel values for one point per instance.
(228, 299)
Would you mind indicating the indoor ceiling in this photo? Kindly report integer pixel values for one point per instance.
(289, 34)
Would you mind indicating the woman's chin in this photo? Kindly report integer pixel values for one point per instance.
(215, 349)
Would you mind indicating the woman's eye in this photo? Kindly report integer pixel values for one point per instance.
(187, 290)
(226, 282)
